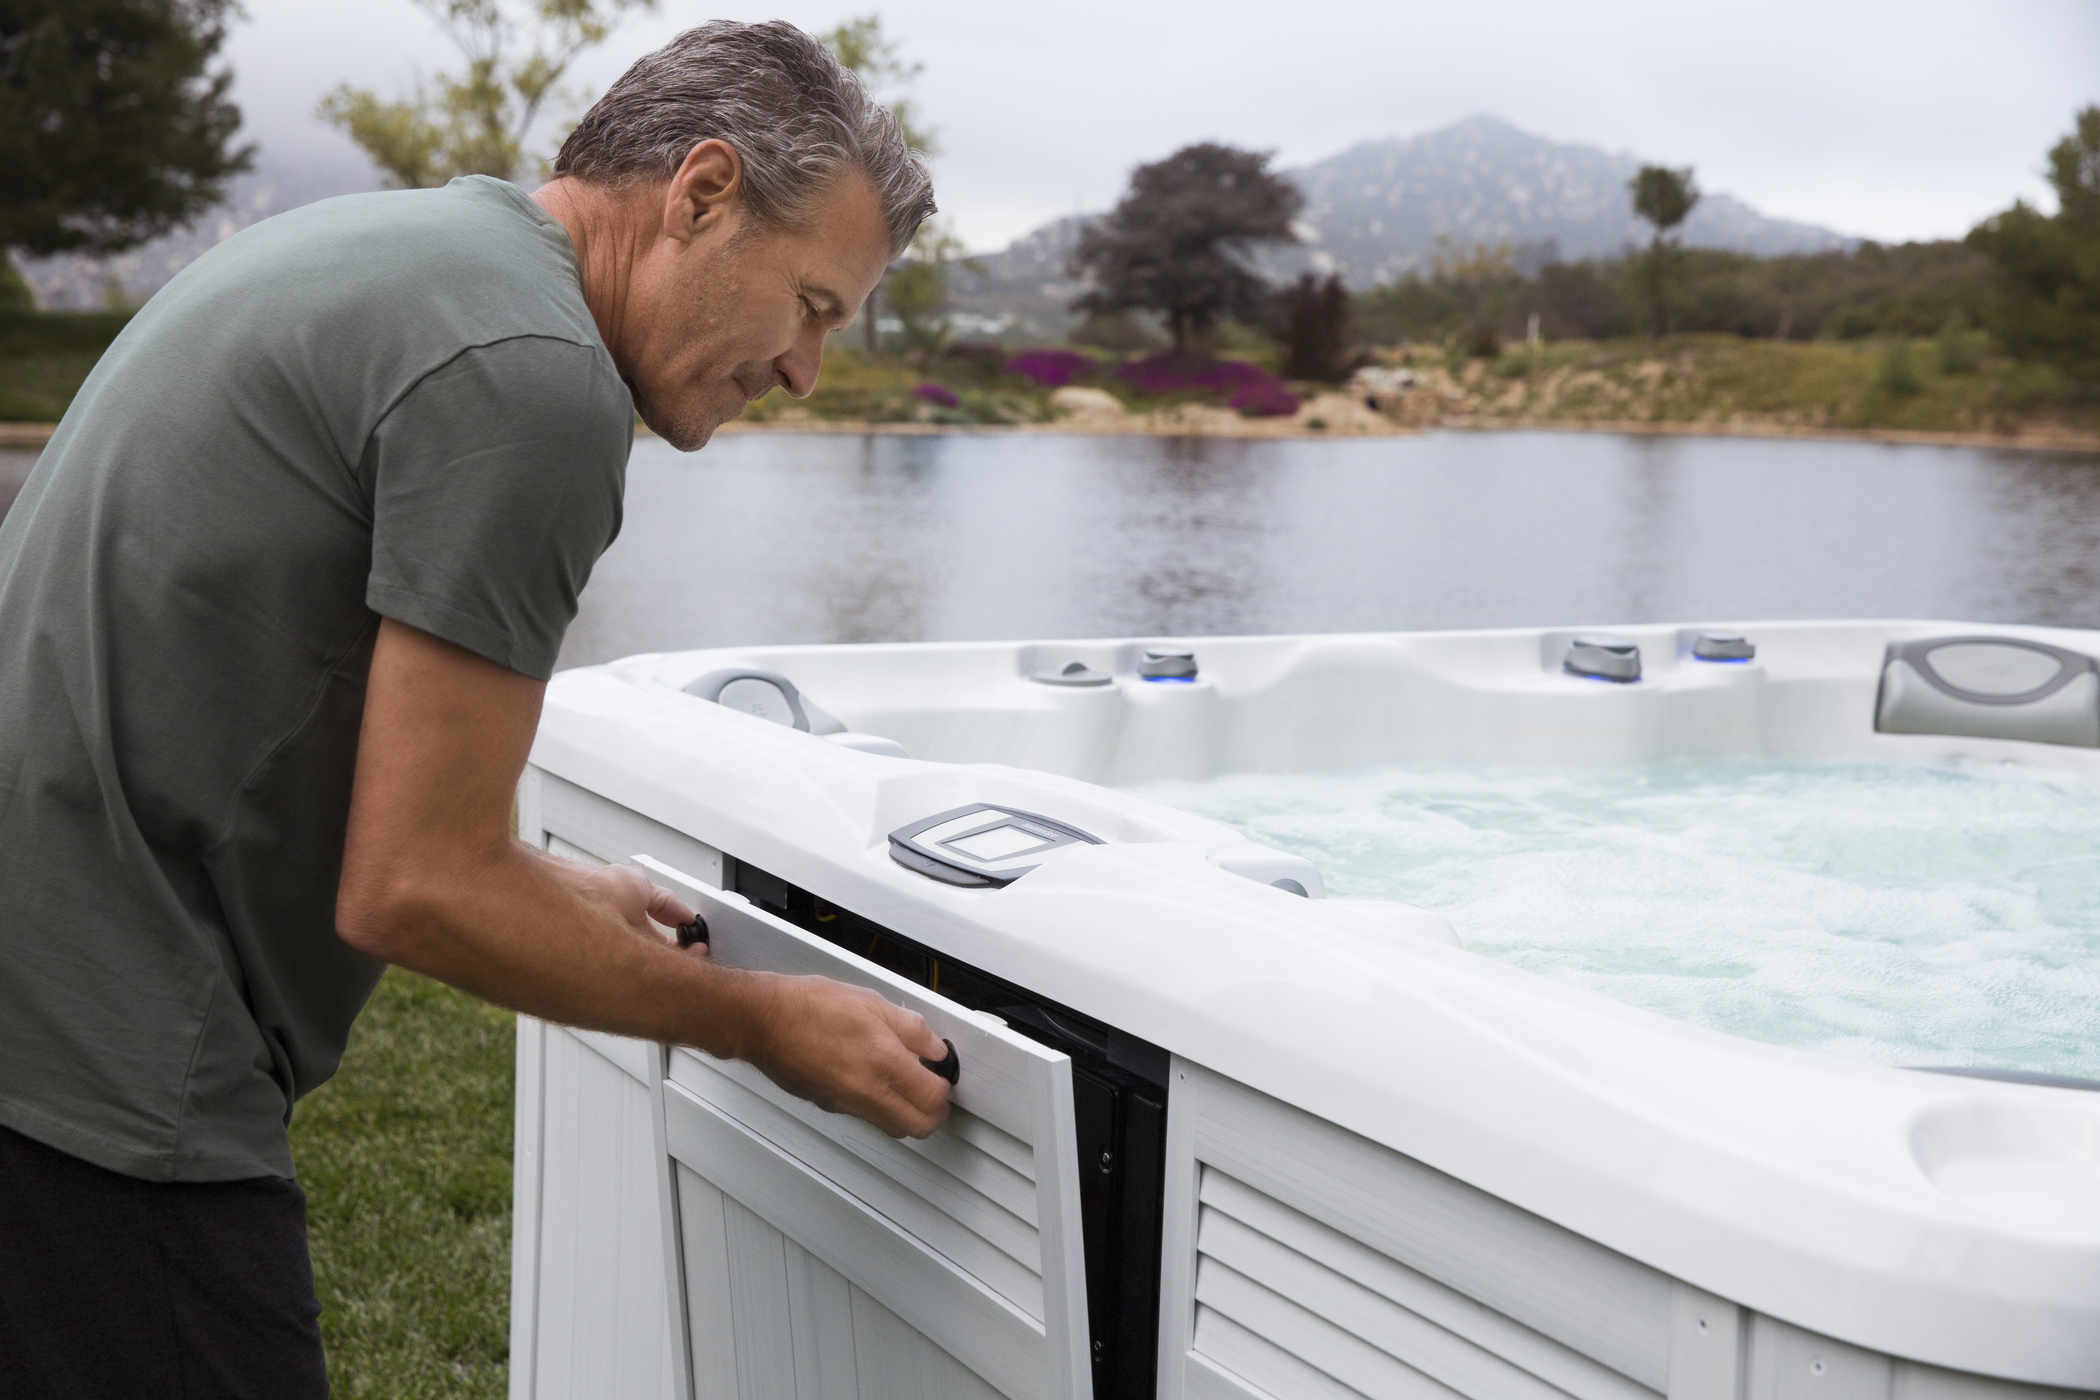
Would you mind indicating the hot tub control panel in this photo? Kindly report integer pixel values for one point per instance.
(982, 846)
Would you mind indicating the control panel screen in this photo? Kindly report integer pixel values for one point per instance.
(996, 844)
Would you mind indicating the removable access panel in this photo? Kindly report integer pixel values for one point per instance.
(815, 1256)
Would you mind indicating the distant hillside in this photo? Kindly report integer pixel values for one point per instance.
(74, 283)
(1373, 213)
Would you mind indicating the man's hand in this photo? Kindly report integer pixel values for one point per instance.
(626, 892)
(847, 1050)
(433, 880)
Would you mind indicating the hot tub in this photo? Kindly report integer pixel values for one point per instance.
(1224, 1134)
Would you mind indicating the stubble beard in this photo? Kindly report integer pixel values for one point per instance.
(691, 432)
(690, 429)
(684, 434)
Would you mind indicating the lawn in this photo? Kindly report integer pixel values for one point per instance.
(44, 358)
(1714, 379)
(405, 1156)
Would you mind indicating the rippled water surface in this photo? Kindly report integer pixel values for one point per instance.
(1897, 914)
(805, 538)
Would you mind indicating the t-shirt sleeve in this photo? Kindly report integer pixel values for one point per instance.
(496, 484)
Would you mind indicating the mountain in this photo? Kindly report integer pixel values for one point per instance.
(1374, 212)
(1376, 209)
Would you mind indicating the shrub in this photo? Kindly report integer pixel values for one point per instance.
(1897, 375)
(1956, 347)
(2048, 267)
(1170, 374)
(939, 395)
(1483, 343)
(979, 354)
(15, 295)
(1052, 368)
(1313, 326)
(1267, 399)
(1122, 332)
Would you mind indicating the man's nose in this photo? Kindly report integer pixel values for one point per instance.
(800, 364)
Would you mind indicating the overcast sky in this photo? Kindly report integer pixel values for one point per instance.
(1886, 120)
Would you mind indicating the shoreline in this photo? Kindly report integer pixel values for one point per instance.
(2041, 440)
(27, 435)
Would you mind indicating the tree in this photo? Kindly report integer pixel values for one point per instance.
(477, 123)
(917, 285)
(15, 293)
(112, 132)
(1664, 197)
(878, 61)
(1313, 321)
(1482, 276)
(863, 50)
(2048, 269)
(1177, 242)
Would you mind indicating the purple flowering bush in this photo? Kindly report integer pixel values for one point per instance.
(939, 395)
(1270, 400)
(1165, 374)
(1052, 369)
(1250, 389)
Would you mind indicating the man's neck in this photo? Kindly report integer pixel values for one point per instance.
(606, 232)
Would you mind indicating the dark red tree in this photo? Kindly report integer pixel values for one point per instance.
(1312, 322)
(1178, 242)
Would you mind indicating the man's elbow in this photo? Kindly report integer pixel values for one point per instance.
(387, 918)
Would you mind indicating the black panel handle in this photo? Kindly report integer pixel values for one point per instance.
(949, 1067)
(694, 932)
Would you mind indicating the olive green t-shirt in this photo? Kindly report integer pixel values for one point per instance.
(383, 405)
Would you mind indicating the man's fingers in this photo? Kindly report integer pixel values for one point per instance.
(851, 1051)
(667, 908)
(918, 1037)
(926, 1093)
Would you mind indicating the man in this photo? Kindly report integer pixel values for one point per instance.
(277, 607)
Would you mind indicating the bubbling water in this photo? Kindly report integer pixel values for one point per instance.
(1898, 914)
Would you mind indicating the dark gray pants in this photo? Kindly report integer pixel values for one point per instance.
(112, 1286)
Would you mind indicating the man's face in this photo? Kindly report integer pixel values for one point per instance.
(721, 309)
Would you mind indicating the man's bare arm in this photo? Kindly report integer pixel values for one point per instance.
(434, 881)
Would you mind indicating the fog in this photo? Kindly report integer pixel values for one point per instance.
(1886, 120)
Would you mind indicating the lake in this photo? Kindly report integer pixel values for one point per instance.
(772, 537)
(767, 537)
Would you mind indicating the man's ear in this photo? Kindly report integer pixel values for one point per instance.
(705, 191)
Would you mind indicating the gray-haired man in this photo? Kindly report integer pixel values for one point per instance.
(277, 607)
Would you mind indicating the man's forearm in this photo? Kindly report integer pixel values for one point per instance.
(433, 880)
(522, 929)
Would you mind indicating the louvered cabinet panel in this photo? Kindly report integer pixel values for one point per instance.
(848, 1263)
(1255, 1253)
(1304, 1261)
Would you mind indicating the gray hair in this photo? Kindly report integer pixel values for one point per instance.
(796, 118)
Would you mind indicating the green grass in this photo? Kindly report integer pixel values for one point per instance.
(854, 388)
(405, 1156)
(1852, 386)
(44, 356)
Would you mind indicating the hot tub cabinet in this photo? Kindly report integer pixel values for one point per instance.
(1219, 1137)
